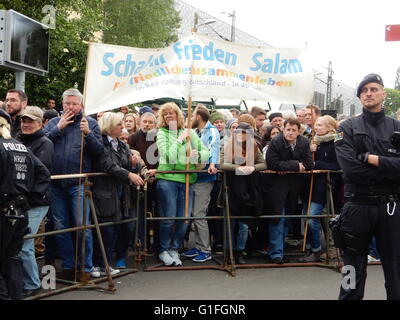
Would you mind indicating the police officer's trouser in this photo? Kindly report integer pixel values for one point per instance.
(11, 241)
(358, 224)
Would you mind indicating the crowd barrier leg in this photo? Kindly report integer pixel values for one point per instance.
(297, 264)
(331, 212)
(84, 282)
(88, 195)
(224, 266)
(229, 260)
(83, 278)
(137, 244)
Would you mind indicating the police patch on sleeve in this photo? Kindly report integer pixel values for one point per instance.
(339, 137)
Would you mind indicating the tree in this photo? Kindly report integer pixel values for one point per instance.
(68, 50)
(392, 102)
(397, 82)
(140, 23)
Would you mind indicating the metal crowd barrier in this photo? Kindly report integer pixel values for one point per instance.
(84, 283)
(228, 263)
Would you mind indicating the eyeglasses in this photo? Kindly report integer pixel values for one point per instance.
(71, 104)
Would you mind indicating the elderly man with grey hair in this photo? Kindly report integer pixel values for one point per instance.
(67, 195)
(144, 141)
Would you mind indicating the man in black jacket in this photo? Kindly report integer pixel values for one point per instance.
(289, 151)
(34, 138)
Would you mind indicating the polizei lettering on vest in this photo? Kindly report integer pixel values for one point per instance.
(11, 146)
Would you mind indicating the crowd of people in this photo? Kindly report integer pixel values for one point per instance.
(150, 145)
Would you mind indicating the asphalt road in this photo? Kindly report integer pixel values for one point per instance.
(304, 283)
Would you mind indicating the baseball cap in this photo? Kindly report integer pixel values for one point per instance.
(34, 113)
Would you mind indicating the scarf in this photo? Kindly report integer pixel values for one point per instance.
(325, 138)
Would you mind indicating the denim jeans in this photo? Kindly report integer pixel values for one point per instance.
(29, 266)
(171, 200)
(240, 233)
(314, 226)
(126, 236)
(373, 250)
(276, 237)
(64, 209)
(109, 236)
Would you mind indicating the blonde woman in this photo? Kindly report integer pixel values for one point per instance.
(171, 143)
(111, 193)
(325, 159)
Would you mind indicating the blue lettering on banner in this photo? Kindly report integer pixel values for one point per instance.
(277, 65)
(207, 53)
(128, 66)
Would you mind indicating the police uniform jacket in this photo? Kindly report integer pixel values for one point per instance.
(21, 173)
(368, 132)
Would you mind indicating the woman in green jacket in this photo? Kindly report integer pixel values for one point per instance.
(171, 143)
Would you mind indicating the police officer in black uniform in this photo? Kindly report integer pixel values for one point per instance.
(21, 175)
(368, 151)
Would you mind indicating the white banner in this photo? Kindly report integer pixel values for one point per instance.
(195, 66)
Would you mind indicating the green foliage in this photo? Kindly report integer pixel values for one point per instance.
(68, 51)
(140, 23)
(392, 102)
(397, 81)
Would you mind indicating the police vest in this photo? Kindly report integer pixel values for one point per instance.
(18, 172)
(365, 142)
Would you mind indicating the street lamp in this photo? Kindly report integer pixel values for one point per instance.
(208, 23)
(204, 23)
(233, 16)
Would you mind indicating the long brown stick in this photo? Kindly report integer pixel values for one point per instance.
(189, 117)
(311, 187)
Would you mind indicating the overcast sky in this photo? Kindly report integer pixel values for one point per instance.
(350, 33)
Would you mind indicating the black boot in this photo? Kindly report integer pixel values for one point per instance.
(239, 259)
(313, 257)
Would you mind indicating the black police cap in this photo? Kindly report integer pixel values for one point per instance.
(5, 115)
(372, 77)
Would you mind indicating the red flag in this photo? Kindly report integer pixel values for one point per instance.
(392, 32)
